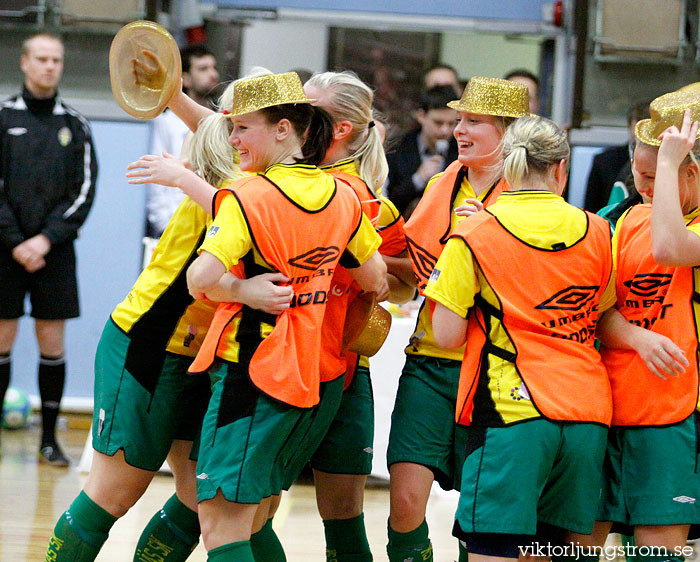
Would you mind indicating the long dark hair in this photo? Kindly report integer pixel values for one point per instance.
(311, 124)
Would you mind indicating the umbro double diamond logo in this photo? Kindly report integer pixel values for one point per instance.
(313, 259)
(684, 499)
(647, 284)
(572, 298)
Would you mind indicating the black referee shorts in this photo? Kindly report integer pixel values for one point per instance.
(53, 290)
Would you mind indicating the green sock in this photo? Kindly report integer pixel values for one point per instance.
(232, 552)
(266, 545)
(171, 534)
(413, 546)
(463, 552)
(80, 532)
(346, 540)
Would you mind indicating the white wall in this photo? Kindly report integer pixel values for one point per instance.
(281, 46)
(489, 55)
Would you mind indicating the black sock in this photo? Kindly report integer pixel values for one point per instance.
(52, 375)
(4, 376)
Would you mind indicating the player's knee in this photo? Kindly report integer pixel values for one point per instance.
(342, 506)
(407, 505)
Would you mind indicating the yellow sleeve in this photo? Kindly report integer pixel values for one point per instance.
(609, 297)
(388, 214)
(431, 181)
(614, 243)
(694, 228)
(228, 237)
(454, 281)
(365, 242)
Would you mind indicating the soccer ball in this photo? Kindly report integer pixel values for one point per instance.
(16, 409)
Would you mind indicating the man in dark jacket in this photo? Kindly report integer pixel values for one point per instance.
(424, 152)
(47, 184)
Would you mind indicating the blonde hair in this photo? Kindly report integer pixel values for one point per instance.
(210, 153)
(350, 100)
(530, 146)
(501, 123)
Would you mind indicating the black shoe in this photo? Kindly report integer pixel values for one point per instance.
(51, 453)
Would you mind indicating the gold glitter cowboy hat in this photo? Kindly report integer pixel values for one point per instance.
(144, 68)
(252, 94)
(666, 111)
(367, 325)
(694, 87)
(493, 96)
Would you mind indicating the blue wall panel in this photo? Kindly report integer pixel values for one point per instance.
(528, 10)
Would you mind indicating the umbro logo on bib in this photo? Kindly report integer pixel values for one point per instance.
(684, 499)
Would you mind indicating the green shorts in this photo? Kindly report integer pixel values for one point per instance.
(250, 443)
(297, 454)
(143, 421)
(535, 471)
(651, 475)
(347, 446)
(423, 429)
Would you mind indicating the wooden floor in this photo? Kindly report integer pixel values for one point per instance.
(33, 495)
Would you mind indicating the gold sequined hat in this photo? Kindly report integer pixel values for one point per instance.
(694, 87)
(144, 68)
(666, 111)
(252, 94)
(493, 96)
(367, 325)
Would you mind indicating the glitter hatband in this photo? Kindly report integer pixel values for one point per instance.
(252, 94)
(493, 96)
(666, 111)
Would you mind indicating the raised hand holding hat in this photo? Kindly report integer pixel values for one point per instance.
(677, 143)
(667, 111)
(144, 68)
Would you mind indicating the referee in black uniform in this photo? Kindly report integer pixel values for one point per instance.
(47, 184)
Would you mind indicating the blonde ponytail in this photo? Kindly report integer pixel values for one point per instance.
(350, 99)
(531, 145)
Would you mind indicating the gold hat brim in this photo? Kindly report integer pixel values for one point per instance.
(367, 325)
(644, 131)
(269, 104)
(667, 111)
(149, 46)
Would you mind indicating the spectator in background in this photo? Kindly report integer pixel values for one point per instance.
(48, 170)
(200, 79)
(200, 76)
(442, 75)
(533, 86)
(423, 152)
(613, 164)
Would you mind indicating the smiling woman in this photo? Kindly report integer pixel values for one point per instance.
(421, 452)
